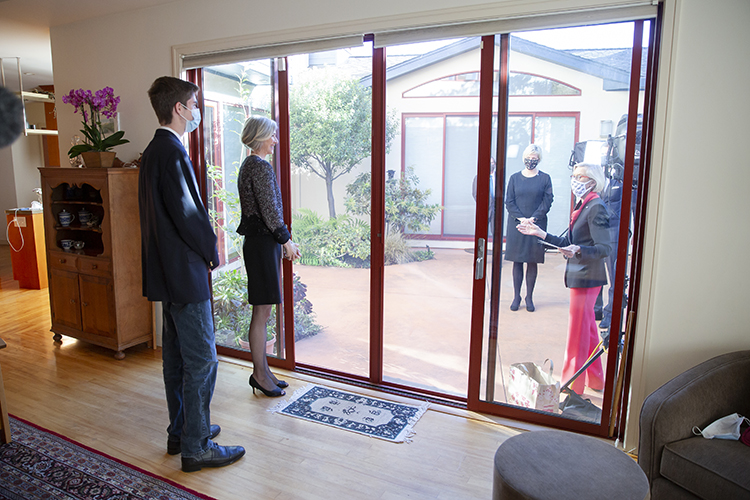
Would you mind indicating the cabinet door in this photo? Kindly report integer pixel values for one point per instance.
(63, 290)
(97, 306)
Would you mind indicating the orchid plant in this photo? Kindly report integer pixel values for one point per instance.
(102, 102)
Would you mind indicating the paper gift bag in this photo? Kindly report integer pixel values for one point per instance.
(531, 387)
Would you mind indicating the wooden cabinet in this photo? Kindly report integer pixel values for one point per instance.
(93, 244)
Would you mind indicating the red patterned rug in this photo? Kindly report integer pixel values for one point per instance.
(40, 464)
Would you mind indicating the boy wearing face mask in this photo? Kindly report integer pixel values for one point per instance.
(178, 250)
(585, 247)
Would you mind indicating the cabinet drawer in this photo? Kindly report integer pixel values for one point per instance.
(96, 267)
(61, 260)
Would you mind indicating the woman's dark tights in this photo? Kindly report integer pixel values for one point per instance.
(531, 272)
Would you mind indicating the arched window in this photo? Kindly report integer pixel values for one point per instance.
(467, 85)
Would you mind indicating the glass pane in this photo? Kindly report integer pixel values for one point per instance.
(547, 322)
(421, 133)
(460, 169)
(330, 120)
(429, 259)
(232, 92)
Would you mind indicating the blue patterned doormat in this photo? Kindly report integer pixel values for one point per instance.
(353, 412)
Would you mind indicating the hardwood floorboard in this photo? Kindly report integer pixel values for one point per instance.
(118, 407)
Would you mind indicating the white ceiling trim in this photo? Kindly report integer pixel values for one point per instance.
(505, 10)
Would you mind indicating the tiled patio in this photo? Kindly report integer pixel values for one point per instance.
(427, 321)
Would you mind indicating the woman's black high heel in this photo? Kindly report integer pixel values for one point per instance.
(271, 394)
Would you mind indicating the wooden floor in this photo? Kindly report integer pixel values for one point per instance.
(118, 407)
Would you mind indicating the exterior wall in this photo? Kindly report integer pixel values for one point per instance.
(591, 107)
(594, 103)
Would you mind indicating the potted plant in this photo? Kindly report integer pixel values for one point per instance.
(96, 148)
(244, 343)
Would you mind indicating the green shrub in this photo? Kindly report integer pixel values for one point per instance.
(343, 241)
(232, 313)
(405, 207)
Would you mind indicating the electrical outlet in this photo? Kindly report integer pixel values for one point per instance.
(20, 222)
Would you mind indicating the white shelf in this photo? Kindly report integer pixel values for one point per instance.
(40, 131)
(37, 97)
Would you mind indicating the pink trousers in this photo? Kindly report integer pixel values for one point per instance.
(583, 337)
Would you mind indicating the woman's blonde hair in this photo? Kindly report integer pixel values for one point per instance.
(532, 148)
(592, 171)
(257, 130)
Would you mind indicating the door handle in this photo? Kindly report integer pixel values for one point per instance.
(479, 272)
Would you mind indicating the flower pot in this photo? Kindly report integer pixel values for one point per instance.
(96, 159)
(244, 344)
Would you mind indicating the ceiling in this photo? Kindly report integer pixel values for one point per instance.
(24, 32)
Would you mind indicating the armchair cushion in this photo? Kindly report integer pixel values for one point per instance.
(709, 468)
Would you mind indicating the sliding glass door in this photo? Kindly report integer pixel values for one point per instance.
(409, 279)
(231, 93)
(330, 110)
(430, 212)
(545, 349)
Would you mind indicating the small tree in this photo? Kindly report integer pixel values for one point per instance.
(330, 126)
(405, 207)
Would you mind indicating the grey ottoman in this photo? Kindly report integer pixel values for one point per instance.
(560, 465)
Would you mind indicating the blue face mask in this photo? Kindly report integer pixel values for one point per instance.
(192, 124)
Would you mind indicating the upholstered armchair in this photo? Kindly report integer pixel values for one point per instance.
(681, 465)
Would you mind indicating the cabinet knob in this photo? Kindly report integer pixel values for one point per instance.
(72, 301)
(63, 261)
(85, 304)
(93, 266)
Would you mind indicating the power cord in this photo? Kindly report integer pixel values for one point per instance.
(7, 231)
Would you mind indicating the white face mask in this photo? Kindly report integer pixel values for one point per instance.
(725, 428)
(579, 189)
(192, 124)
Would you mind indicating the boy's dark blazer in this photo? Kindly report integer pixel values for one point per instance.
(178, 243)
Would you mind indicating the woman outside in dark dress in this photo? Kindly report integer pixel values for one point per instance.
(266, 236)
(585, 247)
(527, 199)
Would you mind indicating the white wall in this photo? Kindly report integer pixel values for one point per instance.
(19, 164)
(7, 182)
(692, 304)
(696, 266)
(19, 174)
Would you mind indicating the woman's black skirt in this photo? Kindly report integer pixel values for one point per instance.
(263, 264)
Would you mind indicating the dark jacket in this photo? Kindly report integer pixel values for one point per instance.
(590, 231)
(178, 244)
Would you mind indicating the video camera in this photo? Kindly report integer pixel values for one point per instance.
(600, 152)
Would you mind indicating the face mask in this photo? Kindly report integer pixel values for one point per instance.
(725, 428)
(531, 163)
(579, 189)
(192, 124)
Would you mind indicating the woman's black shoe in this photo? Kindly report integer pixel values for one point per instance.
(282, 384)
(530, 305)
(271, 394)
(514, 305)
